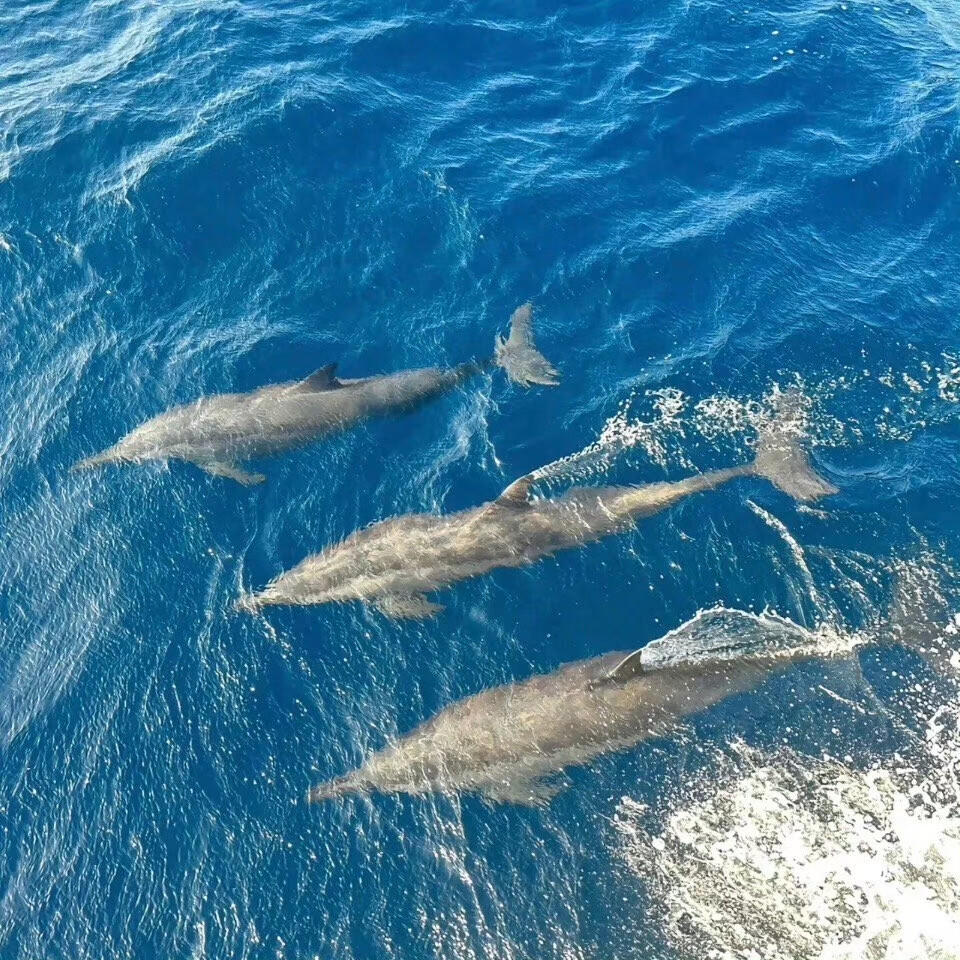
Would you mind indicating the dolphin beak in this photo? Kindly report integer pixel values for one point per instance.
(88, 463)
(338, 787)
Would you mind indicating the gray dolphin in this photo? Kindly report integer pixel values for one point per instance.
(512, 743)
(218, 431)
(393, 564)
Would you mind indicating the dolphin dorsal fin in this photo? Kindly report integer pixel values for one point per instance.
(628, 668)
(324, 379)
(518, 493)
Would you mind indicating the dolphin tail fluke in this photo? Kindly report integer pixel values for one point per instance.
(782, 458)
(518, 355)
(920, 620)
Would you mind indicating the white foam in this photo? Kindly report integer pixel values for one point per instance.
(948, 380)
(806, 859)
(778, 854)
(721, 633)
(668, 427)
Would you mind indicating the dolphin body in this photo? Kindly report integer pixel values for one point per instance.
(511, 743)
(218, 431)
(393, 564)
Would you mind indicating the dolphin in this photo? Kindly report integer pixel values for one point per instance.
(511, 743)
(218, 431)
(393, 564)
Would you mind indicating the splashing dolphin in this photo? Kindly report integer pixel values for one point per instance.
(395, 563)
(215, 432)
(511, 743)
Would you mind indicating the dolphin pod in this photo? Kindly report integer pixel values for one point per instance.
(393, 565)
(511, 743)
(218, 431)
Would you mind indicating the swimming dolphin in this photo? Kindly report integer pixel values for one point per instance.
(393, 564)
(218, 431)
(512, 743)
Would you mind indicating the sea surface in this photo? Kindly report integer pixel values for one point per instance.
(708, 204)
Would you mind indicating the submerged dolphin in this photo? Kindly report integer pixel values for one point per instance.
(395, 563)
(511, 743)
(218, 431)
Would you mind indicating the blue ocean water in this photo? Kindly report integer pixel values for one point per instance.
(704, 202)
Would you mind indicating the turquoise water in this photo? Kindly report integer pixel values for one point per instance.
(703, 202)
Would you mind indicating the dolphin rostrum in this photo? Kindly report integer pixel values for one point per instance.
(218, 431)
(511, 743)
(393, 564)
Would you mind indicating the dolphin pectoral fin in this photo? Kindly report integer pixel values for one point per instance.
(411, 606)
(323, 379)
(217, 468)
(535, 792)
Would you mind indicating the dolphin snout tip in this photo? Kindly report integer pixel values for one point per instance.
(96, 460)
(330, 790)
